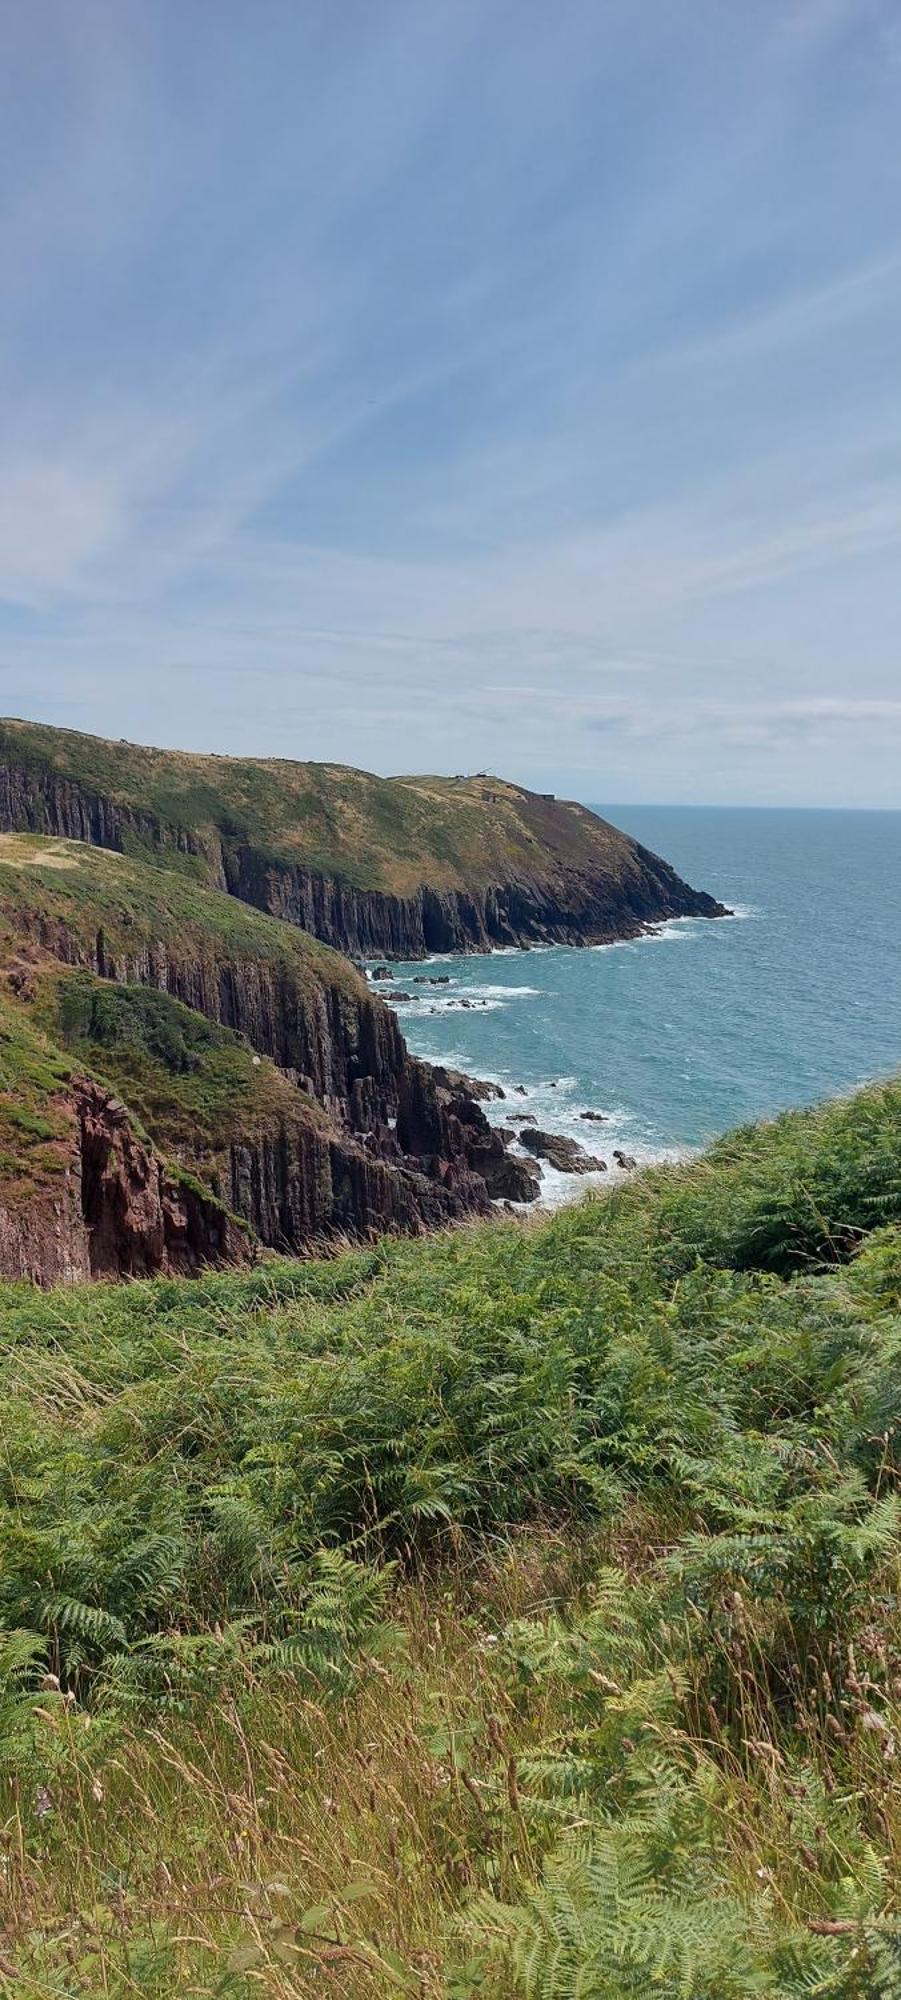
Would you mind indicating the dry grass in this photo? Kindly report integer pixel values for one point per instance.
(309, 1846)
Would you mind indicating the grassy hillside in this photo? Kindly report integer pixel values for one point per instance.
(70, 891)
(195, 1086)
(35, 1122)
(392, 835)
(510, 1615)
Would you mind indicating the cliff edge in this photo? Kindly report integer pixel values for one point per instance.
(389, 866)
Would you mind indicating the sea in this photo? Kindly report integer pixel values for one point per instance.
(703, 1025)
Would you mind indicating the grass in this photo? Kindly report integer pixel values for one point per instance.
(372, 833)
(195, 1086)
(192, 1088)
(35, 1122)
(66, 893)
(510, 1614)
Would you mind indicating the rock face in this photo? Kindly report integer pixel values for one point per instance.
(345, 1048)
(459, 1083)
(370, 1164)
(138, 1219)
(441, 1123)
(116, 1210)
(353, 1136)
(308, 1152)
(363, 922)
(305, 1187)
(602, 892)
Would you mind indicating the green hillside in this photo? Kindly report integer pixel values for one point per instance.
(70, 891)
(375, 834)
(514, 1614)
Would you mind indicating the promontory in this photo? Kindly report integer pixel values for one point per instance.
(396, 866)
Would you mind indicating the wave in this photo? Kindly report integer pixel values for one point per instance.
(503, 992)
(559, 1190)
(674, 930)
(447, 1003)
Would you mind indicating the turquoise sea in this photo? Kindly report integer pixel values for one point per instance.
(703, 1026)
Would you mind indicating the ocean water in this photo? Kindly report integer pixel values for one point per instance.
(678, 1036)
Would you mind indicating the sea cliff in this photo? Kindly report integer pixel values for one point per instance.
(394, 867)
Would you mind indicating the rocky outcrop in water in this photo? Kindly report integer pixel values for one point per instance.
(564, 1154)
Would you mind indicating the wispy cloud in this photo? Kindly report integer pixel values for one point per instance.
(459, 385)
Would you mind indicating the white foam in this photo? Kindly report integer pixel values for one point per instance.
(676, 930)
(502, 992)
(558, 1189)
(419, 1010)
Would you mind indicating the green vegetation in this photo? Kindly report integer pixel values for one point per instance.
(374, 833)
(514, 1614)
(195, 1085)
(35, 1122)
(65, 890)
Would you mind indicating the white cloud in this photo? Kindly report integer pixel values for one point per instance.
(445, 397)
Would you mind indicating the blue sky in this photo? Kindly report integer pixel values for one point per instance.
(460, 385)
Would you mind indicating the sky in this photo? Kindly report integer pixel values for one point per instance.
(465, 384)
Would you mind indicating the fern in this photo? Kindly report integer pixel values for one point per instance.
(597, 1924)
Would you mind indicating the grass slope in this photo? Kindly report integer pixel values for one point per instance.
(74, 890)
(510, 1615)
(375, 833)
(194, 1086)
(36, 1124)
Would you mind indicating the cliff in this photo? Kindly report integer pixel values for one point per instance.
(243, 1070)
(399, 867)
(83, 1191)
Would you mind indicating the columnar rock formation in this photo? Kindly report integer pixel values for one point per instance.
(267, 1086)
(399, 867)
